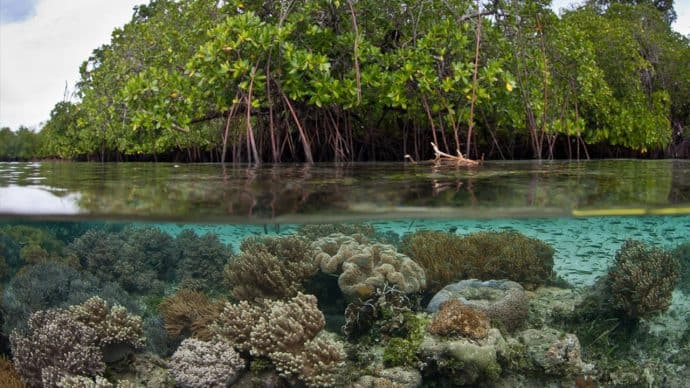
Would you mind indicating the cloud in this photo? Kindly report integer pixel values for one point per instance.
(16, 10)
(40, 54)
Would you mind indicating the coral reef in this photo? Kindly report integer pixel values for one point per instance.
(397, 377)
(55, 345)
(403, 350)
(553, 352)
(682, 254)
(189, 313)
(363, 267)
(8, 375)
(641, 280)
(286, 333)
(22, 244)
(271, 267)
(503, 301)
(454, 318)
(139, 259)
(201, 260)
(509, 255)
(198, 364)
(50, 285)
(462, 361)
(118, 332)
(384, 311)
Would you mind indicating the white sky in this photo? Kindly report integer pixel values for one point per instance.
(43, 52)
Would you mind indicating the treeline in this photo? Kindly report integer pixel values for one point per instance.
(349, 80)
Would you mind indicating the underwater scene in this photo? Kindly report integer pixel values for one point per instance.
(556, 275)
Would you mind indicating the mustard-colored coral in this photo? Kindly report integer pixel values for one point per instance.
(272, 268)
(509, 255)
(8, 376)
(455, 318)
(642, 279)
(189, 312)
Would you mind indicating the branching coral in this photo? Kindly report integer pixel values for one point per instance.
(116, 329)
(189, 312)
(284, 331)
(365, 266)
(510, 255)
(456, 318)
(201, 260)
(55, 345)
(49, 285)
(236, 322)
(272, 268)
(74, 341)
(642, 279)
(137, 258)
(198, 364)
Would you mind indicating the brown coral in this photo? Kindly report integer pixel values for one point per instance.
(270, 268)
(510, 255)
(455, 318)
(8, 376)
(189, 312)
(236, 322)
(642, 279)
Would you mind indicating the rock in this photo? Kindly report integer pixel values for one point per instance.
(467, 361)
(405, 377)
(556, 353)
(146, 370)
(502, 301)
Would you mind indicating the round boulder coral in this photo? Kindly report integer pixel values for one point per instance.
(503, 301)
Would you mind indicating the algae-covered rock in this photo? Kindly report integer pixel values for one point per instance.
(397, 377)
(463, 361)
(554, 352)
(503, 301)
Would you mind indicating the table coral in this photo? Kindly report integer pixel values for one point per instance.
(456, 318)
(363, 266)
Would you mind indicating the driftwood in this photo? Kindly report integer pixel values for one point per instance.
(442, 157)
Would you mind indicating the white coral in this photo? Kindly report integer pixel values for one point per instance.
(205, 364)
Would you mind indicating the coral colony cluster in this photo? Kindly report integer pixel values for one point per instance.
(330, 305)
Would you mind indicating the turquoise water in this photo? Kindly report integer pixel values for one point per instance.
(327, 275)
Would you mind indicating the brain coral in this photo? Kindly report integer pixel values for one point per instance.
(365, 266)
(447, 257)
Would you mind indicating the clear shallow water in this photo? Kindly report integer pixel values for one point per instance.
(301, 193)
(122, 232)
